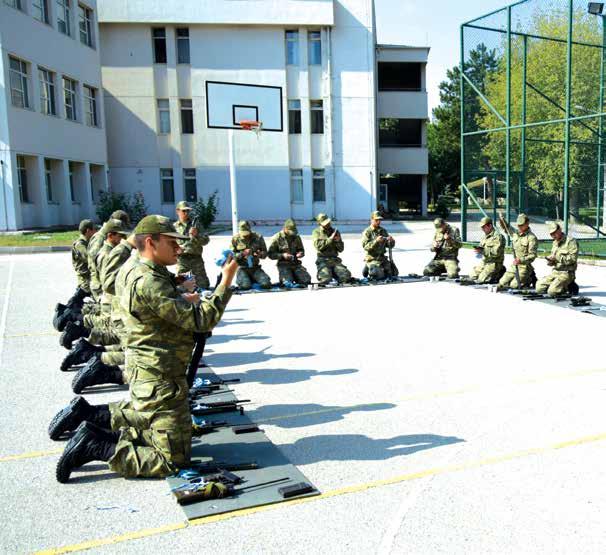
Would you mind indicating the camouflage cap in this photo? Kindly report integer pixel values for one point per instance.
(183, 205)
(485, 221)
(552, 227)
(290, 225)
(438, 223)
(84, 225)
(244, 228)
(156, 224)
(117, 226)
(323, 219)
(376, 215)
(122, 216)
(522, 219)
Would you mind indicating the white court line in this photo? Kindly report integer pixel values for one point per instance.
(4, 317)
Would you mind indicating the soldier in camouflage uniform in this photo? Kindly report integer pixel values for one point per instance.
(563, 259)
(446, 245)
(155, 426)
(376, 241)
(525, 245)
(249, 249)
(328, 244)
(80, 254)
(286, 247)
(492, 248)
(190, 259)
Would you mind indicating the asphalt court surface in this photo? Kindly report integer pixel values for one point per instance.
(434, 418)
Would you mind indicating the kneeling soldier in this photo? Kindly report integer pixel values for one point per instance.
(155, 426)
(375, 241)
(286, 247)
(525, 245)
(249, 249)
(492, 248)
(328, 243)
(563, 258)
(446, 245)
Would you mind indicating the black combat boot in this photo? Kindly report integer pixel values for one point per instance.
(96, 373)
(78, 411)
(68, 315)
(88, 444)
(73, 331)
(573, 289)
(77, 299)
(81, 353)
(59, 310)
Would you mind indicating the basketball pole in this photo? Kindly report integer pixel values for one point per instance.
(233, 182)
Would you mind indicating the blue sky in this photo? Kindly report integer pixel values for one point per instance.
(433, 23)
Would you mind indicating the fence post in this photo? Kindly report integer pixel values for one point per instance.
(522, 181)
(462, 103)
(600, 171)
(508, 119)
(566, 207)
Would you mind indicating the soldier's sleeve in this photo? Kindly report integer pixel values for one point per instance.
(320, 244)
(367, 241)
(533, 247)
(300, 247)
(111, 268)
(274, 250)
(339, 245)
(166, 303)
(569, 255)
(455, 241)
(239, 257)
(262, 248)
(80, 259)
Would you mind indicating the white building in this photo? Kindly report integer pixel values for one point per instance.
(53, 157)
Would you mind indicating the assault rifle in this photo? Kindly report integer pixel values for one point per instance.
(216, 487)
(505, 227)
(203, 409)
(394, 269)
(196, 356)
(207, 428)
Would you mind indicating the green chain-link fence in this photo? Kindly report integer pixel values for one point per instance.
(532, 119)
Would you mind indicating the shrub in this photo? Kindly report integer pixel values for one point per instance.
(133, 205)
(203, 214)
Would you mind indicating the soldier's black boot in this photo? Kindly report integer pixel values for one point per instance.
(73, 331)
(59, 310)
(573, 288)
(96, 373)
(68, 315)
(77, 299)
(88, 444)
(78, 411)
(81, 353)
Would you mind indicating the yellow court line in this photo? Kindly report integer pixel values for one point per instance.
(419, 397)
(358, 488)
(38, 334)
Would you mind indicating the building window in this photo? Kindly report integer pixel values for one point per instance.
(399, 76)
(317, 116)
(164, 116)
(187, 117)
(14, 4)
(69, 95)
(71, 181)
(183, 45)
(314, 41)
(40, 10)
(395, 132)
(296, 186)
(92, 188)
(47, 92)
(85, 17)
(64, 17)
(189, 182)
(48, 179)
(159, 44)
(19, 83)
(294, 117)
(90, 106)
(168, 186)
(319, 186)
(22, 178)
(292, 48)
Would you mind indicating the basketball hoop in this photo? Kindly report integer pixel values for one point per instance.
(252, 125)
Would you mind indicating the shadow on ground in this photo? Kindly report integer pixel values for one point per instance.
(278, 376)
(236, 359)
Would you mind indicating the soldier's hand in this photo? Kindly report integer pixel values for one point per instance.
(193, 232)
(516, 262)
(193, 298)
(246, 252)
(189, 284)
(446, 236)
(229, 271)
(334, 234)
(381, 239)
(287, 256)
(300, 255)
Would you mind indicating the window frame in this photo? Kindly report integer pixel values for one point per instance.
(180, 40)
(161, 111)
(189, 175)
(291, 36)
(296, 185)
(22, 74)
(187, 112)
(40, 7)
(314, 48)
(22, 179)
(88, 20)
(155, 38)
(294, 117)
(48, 92)
(64, 7)
(70, 173)
(15, 4)
(316, 123)
(91, 111)
(73, 94)
(318, 175)
(48, 180)
(165, 178)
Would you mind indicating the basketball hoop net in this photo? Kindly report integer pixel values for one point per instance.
(252, 125)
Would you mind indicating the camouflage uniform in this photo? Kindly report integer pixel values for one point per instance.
(525, 246)
(156, 437)
(80, 262)
(493, 255)
(328, 262)
(446, 258)
(288, 241)
(379, 266)
(565, 253)
(94, 246)
(190, 259)
(249, 268)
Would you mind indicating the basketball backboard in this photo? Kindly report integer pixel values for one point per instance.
(229, 103)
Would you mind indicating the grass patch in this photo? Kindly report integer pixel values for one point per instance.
(588, 248)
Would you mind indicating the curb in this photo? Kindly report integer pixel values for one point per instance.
(33, 250)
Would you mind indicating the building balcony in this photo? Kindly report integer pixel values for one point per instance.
(402, 104)
(404, 160)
